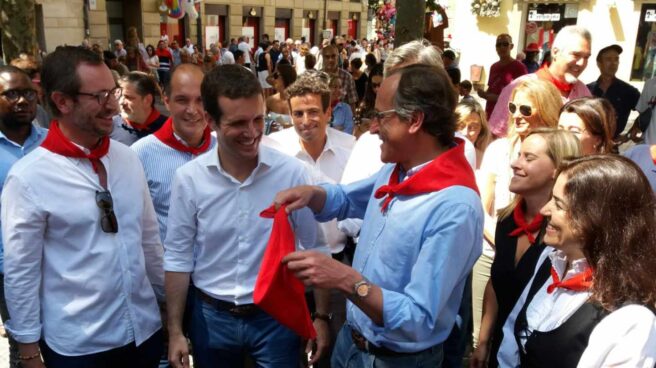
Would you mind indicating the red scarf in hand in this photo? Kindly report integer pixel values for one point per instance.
(564, 87)
(446, 170)
(165, 134)
(149, 120)
(522, 227)
(277, 291)
(56, 142)
(580, 282)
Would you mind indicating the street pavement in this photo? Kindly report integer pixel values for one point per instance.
(4, 353)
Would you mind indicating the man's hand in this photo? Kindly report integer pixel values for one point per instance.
(29, 350)
(319, 270)
(301, 196)
(178, 351)
(319, 346)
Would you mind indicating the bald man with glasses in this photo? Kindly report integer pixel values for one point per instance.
(83, 257)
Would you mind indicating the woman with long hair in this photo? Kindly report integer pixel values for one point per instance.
(472, 123)
(277, 105)
(518, 238)
(592, 120)
(533, 104)
(365, 109)
(605, 194)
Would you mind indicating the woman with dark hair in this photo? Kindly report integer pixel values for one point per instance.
(277, 105)
(593, 269)
(365, 110)
(153, 61)
(592, 120)
(359, 77)
(518, 241)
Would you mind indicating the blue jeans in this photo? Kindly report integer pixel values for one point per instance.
(347, 355)
(221, 340)
(145, 355)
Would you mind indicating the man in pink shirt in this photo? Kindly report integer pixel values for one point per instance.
(570, 53)
(501, 73)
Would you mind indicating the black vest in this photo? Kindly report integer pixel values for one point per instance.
(563, 346)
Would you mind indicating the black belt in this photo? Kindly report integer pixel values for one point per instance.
(242, 311)
(362, 344)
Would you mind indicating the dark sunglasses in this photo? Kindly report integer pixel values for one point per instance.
(503, 44)
(525, 110)
(108, 221)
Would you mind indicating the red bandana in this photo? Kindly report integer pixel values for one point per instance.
(56, 142)
(522, 227)
(165, 134)
(446, 170)
(564, 87)
(580, 282)
(149, 120)
(277, 291)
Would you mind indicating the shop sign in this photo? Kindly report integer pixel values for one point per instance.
(534, 16)
(650, 15)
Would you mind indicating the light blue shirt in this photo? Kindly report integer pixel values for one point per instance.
(10, 152)
(342, 118)
(419, 252)
(160, 162)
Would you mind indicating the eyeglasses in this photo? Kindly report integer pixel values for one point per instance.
(525, 110)
(380, 115)
(14, 95)
(108, 221)
(103, 97)
(503, 44)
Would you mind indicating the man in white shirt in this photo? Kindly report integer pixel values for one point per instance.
(189, 46)
(246, 48)
(216, 236)
(83, 258)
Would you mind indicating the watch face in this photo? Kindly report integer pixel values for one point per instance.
(363, 290)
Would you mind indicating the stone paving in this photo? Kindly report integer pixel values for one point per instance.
(4, 353)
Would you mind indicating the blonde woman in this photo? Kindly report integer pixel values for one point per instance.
(519, 240)
(472, 123)
(533, 104)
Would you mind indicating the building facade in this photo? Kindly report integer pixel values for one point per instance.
(62, 22)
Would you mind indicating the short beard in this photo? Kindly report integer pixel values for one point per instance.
(570, 79)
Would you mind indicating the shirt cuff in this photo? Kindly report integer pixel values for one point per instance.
(326, 212)
(28, 336)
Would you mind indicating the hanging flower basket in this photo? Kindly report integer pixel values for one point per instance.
(486, 8)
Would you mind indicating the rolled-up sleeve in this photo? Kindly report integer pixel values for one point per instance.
(23, 228)
(181, 227)
(448, 251)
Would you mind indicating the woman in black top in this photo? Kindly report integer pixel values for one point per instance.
(518, 233)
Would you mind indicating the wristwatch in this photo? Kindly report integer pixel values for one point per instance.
(361, 288)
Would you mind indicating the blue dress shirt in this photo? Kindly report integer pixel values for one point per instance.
(342, 118)
(419, 252)
(10, 152)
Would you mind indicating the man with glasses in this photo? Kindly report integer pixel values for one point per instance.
(19, 135)
(83, 259)
(501, 73)
(570, 53)
(421, 231)
(216, 236)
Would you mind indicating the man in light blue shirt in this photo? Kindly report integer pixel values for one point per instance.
(18, 136)
(421, 233)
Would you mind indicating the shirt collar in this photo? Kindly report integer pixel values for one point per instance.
(36, 135)
(559, 263)
(264, 160)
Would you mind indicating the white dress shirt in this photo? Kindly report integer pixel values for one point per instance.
(546, 312)
(330, 166)
(625, 338)
(217, 218)
(83, 290)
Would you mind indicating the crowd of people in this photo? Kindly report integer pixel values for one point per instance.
(427, 222)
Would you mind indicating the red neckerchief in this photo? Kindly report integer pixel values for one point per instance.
(652, 150)
(580, 282)
(545, 74)
(522, 227)
(165, 134)
(56, 142)
(446, 170)
(149, 120)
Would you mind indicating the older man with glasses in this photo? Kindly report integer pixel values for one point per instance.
(83, 258)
